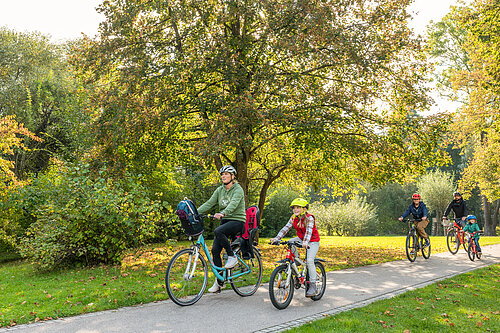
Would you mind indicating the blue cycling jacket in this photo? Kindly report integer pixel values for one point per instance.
(417, 212)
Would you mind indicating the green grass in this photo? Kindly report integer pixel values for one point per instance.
(29, 296)
(464, 303)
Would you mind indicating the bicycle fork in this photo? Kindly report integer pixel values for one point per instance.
(291, 267)
(188, 274)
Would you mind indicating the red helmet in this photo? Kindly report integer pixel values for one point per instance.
(416, 196)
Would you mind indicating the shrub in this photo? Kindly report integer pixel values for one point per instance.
(92, 219)
(353, 218)
(277, 211)
(391, 200)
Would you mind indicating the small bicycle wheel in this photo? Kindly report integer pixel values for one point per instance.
(465, 242)
(411, 247)
(470, 251)
(320, 281)
(280, 294)
(426, 250)
(186, 279)
(452, 241)
(247, 284)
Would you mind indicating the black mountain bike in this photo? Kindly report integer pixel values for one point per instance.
(415, 243)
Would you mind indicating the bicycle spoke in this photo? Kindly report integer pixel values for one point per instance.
(248, 283)
(186, 278)
(280, 294)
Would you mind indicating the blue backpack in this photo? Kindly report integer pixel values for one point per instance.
(191, 221)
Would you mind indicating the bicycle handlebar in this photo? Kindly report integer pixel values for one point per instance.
(288, 242)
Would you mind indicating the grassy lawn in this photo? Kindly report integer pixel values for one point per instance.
(30, 296)
(464, 303)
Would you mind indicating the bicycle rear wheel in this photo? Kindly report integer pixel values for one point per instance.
(280, 294)
(426, 250)
(470, 251)
(247, 285)
(411, 247)
(320, 281)
(452, 241)
(186, 279)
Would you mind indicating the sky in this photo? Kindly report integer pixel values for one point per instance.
(67, 19)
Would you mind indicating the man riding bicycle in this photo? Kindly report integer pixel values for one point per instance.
(459, 207)
(419, 212)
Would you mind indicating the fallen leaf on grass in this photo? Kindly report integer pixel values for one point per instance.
(479, 324)
(444, 314)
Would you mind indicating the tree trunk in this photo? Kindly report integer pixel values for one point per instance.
(439, 223)
(489, 228)
(496, 211)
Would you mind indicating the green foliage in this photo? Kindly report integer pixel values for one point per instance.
(90, 218)
(276, 88)
(436, 189)
(40, 90)
(355, 217)
(391, 201)
(277, 211)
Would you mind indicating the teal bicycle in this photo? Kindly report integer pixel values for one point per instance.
(187, 272)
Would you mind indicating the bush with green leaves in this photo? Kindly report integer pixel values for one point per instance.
(392, 200)
(355, 217)
(91, 218)
(277, 211)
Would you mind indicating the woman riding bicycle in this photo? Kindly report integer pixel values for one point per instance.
(419, 212)
(304, 224)
(230, 199)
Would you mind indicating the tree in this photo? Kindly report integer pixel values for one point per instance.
(39, 89)
(323, 91)
(475, 128)
(478, 124)
(391, 201)
(11, 140)
(436, 189)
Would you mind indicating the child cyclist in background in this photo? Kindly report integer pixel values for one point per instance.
(304, 224)
(471, 227)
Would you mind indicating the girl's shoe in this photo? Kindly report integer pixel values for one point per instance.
(311, 291)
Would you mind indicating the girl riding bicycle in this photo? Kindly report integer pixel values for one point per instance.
(304, 224)
(230, 199)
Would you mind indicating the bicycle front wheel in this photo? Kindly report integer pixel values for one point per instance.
(186, 278)
(452, 241)
(465, 242)
(280, 294)
(320, 281)
(470, 251)
(247, 284)
(426, 250)
(411, 247)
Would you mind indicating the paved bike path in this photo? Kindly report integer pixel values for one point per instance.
(228, 312)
